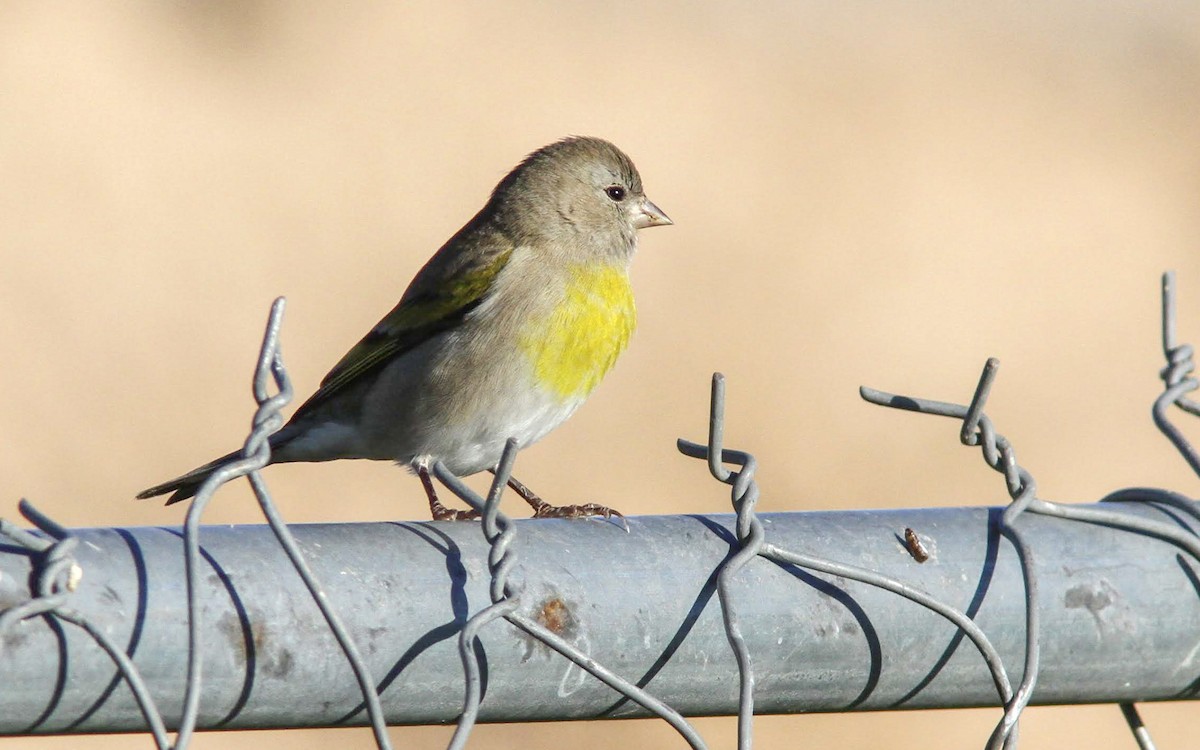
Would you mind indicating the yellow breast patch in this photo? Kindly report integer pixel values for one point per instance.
(575, 346)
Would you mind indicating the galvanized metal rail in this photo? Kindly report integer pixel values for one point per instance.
(1119, 614)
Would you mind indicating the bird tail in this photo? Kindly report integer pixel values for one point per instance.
(183, 487)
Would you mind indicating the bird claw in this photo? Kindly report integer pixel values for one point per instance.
(442, 513)
(543, 509)
(585, 510)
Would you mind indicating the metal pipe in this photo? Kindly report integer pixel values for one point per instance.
(1120, 619)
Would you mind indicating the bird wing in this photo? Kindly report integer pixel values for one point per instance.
(452, 284)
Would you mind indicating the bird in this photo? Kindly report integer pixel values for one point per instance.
(503, 333)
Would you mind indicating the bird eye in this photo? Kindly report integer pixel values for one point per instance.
(616, 192)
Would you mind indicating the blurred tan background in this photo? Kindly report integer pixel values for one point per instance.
(883, 193)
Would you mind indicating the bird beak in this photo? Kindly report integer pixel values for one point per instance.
(650, 215)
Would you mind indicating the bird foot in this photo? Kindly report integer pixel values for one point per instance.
(436, 509)
(543, 509)
(546, 510)
(442, 513)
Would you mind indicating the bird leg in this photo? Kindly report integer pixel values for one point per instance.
(543, 509)
(441, 512)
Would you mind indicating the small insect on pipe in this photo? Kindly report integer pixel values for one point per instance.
(915, 548)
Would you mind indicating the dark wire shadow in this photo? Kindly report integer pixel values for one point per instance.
(843, 597)
(243, 617)
(986, 574)
(60, 679)
(60, 635)
(1187, 563)
(1188, 566)
(139, 624)
(458, 606)
(707, 590)
(874, 647)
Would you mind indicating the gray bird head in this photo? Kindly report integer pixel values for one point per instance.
(582, 194)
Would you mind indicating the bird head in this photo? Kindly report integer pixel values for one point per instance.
(580, 192)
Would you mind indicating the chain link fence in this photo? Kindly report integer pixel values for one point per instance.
(148, 629)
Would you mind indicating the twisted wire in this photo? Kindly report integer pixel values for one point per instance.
(977, 430)
(1177, 378)
(751, 539)
(256, 454)
(500, 533)
(56, 577)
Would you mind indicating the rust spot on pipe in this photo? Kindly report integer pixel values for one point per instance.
(555, 616)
